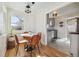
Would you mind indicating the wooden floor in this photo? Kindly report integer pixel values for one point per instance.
(45, 51)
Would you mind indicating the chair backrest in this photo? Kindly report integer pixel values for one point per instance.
(39, 33)
(25, 32)
(34, 40)
(16, 38)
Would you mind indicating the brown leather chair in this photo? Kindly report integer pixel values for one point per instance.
(18, 42)
(34, 43)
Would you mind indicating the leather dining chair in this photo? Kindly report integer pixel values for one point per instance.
(18, 42)
(33, 44)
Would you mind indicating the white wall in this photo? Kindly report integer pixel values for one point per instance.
(29, 22)
(1, 23)
(1, 19)
(62, 31)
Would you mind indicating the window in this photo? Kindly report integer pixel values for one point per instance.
(16, 23)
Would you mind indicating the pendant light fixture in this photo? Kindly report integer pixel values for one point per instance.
(28, 7)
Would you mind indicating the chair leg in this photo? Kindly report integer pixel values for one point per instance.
(17, 47)
(38, 48)
(31, 54)
(40, 44)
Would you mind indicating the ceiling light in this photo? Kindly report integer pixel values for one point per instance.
(33, 2)
(28, 7)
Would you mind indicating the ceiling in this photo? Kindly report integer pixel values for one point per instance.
(20, 6)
